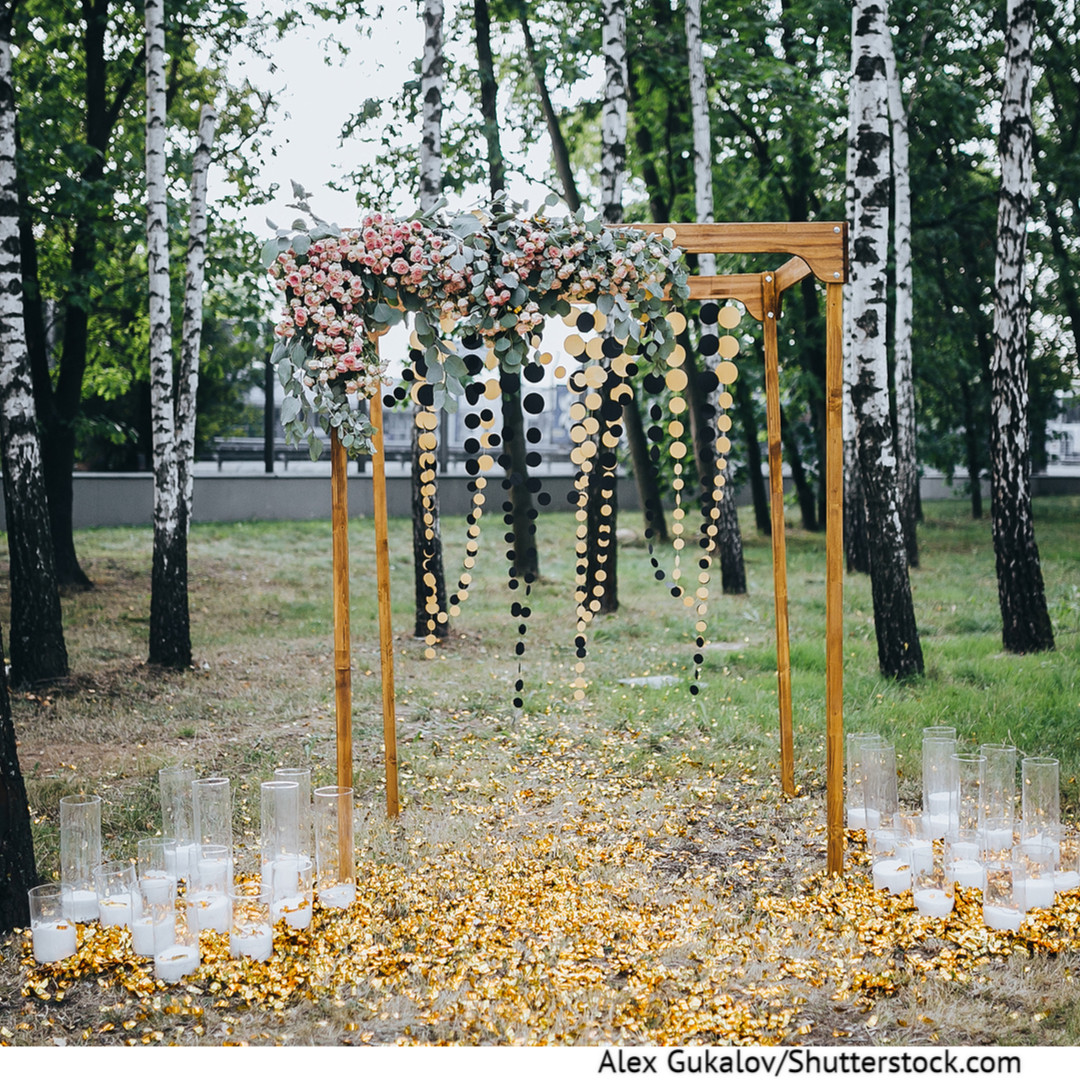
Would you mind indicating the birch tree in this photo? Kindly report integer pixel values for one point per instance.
(38, 651)
(728, 538)
(428, 562)
(907, 469)
(899, 650)
(1025, 622)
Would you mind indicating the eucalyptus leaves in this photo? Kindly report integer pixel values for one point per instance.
(489, 274)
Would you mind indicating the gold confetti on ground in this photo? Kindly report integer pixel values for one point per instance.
(563, 901)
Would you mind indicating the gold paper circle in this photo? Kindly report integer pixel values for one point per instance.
(726, 372)
(677, 321)
(729, 317)
(676, 380)
(729, 347)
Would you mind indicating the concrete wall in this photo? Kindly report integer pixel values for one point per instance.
(127, 498)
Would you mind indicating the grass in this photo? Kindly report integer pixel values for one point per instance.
(678, 794)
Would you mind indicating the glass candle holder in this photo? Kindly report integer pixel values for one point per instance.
(970, 772)
(335, 867)
(178, 813)
(291, 892)
(998, 797)
(52, 924)
(177, 954)
(115, 882)
(1040, 800)
(917, 843)
(879, 769)
(80, 852)
(939, 784)
(153, 915)
(890, 860)
(963, 860)
(207, 897)
(302, 777)
(855, 777)
(1067, 876)
(212, 808)
(251, 932)
(1001, 911)
(932, 888)
(1034, 873)
(279, 823)
(156, 863)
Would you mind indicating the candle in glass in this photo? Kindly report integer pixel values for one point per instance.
(291, 892)
(178, 814)
(939, 783)
(1033, 865)
(964, 864)
(80, 852)
(856, 779)
(302, 777)
(52, 925)
(207, 898)
(335, 868)
(115, 882)
(153, 915)
(890, 861)
(915, 839)
(998, 799)
(1001, 911)
(1067, 875)
(279, 823)
(879, 768)
(1040, 795)
(251, 933)
(932, 888)
(157, 861)
(176, 943)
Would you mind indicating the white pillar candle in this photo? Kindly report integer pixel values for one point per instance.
(891, 874)
(209, 911)
(176, 962)
(998, 839)
(1034, 892)
(920, 854)
(337, 896)
(1002, 918)
(185, 860)
(54, 941)
(933, 902)
(295, 910)
(115, 910)
(859, 817)
(964, 849)
(142, 936)
(255, 942)
(157, 886)
(84, 905)
(1065, 880)
(969, 873)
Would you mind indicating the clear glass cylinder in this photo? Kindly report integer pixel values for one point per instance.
(212, 808)
(1068, 872)
(1001, 911)
(963, 860)
(335, 865)
(251, 932)
(917, 843)
(279, 823)
(52, 924)
(970, 772)
(178, 813)
(939, 731)
(939, 784)
(890, 861)
(176, 942)
(1040, 800)
(932, 887)
(855, 779)
(157, 863)
(153, 914)
(207, 897)
(115, 883)
(879, 770)
(1034, 865)
(998, 798)
(302, 776)
(80, 852)
(291, 892)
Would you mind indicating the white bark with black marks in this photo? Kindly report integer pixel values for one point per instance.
(613, 116)
(899, 650)
(1026, 623)
(170, 639)
(191, 333)
(729, 539)
(38, 651)
(431, 106)
(907, 469)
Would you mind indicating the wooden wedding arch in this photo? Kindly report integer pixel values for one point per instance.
(818, 249)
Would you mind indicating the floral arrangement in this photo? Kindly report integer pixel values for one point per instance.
(487, 274)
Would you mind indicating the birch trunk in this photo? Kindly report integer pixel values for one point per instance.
(1025, 622)
(728, 538)
(856, 545)
(427, 535)
(170, 633)
(899, 650)
(38, 652)
(602, 554)
(907, 467)
(191, 334)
